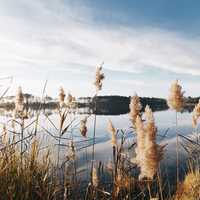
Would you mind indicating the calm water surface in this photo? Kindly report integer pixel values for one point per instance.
(165, 120)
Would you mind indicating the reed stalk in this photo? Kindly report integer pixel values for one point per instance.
(149, 189)
(94, 135)
(99, 76)
(160, 183)
(22, 139)
(177, 150)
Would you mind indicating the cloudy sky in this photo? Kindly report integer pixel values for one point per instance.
(144, 45)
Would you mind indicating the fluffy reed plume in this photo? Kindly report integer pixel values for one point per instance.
(111, 129)
(69, 99)
(98, 78)
(61, 97)
(71, 155)
(95, 179)
(135, 108)
(175, 99)
(196, 114)
(83, 127)
(140, 130)
(19, 101)
(148, 153)
(151, 128)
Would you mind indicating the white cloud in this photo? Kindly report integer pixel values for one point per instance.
(49, 35)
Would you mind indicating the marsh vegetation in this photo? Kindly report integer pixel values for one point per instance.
(55, 157)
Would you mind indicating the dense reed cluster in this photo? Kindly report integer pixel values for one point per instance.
(29, 178)
(33, 168)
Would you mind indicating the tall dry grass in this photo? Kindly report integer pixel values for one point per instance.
(29, 171)
(29, 179)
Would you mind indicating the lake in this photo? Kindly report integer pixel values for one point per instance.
(165, 121)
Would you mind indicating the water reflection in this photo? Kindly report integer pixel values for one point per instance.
(102, 109)
(165, 121)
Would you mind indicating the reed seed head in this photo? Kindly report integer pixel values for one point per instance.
(152, 157)
(61, 97)
(111, 129)
(196, 114)
(95, 179)
(135, 108)
(175, 99)
(150, 126)
(19, 100)
(98, 78)
(83, 127)
(140, 140)
(69, 98)
(71, 151)
(148, 153)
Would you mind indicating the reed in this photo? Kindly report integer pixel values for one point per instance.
(61, 97)
(62, 118)
(29, 172)
(111, 129)
(195, 117)
(190, 188)
(135, 109)
(196, 114)
(19, 102)
(28, 180)
(175, 102)
(148, 152)
(83, 127)
(21, 114)
(99, 76)
(95, 179)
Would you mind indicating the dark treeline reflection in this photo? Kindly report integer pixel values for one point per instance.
(102, 105)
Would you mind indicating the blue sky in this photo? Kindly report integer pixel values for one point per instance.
(144, 45)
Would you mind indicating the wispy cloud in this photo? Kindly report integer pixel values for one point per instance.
(52, 35)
